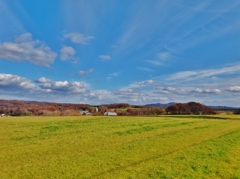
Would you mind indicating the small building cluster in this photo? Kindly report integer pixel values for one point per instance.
(85, 112)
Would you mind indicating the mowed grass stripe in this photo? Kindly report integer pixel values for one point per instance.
(92, 147)
(170, 143)
(215, 158)
(59, 131)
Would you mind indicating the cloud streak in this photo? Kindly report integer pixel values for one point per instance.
(199, 74)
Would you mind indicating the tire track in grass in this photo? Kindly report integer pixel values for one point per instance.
(220, 136)
(216, 158)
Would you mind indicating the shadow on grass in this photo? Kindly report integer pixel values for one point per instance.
(197, 117)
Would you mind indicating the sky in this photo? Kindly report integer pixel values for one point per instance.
(120, 51)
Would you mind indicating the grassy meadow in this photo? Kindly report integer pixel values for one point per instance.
(120, 147)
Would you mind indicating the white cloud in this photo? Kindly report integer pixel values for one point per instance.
(14, 83)
(67, 53)
(234, 89)
(105, 57)
(78, 38)
(42, 80)
(206, 91)
(26, 49)
(143, 83)
(84, 73)
(64, 87)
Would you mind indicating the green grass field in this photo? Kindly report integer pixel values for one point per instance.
(120, 147)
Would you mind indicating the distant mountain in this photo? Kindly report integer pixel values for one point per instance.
(160, 105)
(223, 107)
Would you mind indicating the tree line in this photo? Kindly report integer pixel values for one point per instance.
(31, 108)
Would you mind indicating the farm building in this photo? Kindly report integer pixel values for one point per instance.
(110, 114)
(86, 113)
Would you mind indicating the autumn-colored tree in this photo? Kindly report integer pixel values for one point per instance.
(102, 109)
(189, 108)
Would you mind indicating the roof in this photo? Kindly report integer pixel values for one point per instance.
(111, 114)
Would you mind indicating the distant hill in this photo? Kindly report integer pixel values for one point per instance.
(160, 105)
(223, 107)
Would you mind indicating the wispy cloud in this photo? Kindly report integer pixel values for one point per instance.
(105, 57)
(84, 73)
(129, 94)
(213, 22)
(142, 28)
(155, 99)
(113, 75)
(206, 7)
(78, 38)
(145, 69)
(24, 48)
(154, 62)
(169, 90)
(198, 74)
(164, 55)
(161, 58)
(10, 19)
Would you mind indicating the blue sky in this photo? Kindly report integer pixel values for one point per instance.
(120, 51)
